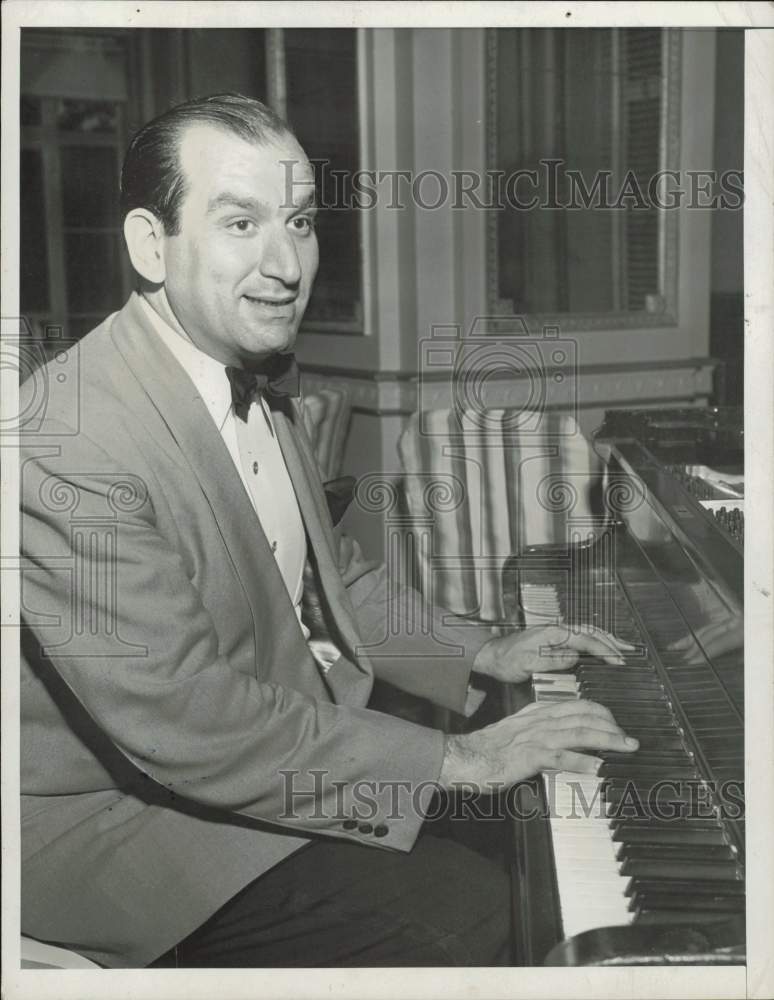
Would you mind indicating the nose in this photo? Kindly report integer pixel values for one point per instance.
(279, 259)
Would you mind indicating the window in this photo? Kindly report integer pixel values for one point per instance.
(581, 122)
(73, 266)
(313, 80)
(84, 92)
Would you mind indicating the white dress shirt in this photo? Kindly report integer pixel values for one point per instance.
(256, 454)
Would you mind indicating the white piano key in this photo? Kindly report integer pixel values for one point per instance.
(590, 887)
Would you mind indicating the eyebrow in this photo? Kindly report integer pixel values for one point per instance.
(228, 199)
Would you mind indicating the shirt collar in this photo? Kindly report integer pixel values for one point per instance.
(207, 374)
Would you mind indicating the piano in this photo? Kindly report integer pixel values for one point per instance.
(644, 863)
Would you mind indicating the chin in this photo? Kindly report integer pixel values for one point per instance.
(270, 343)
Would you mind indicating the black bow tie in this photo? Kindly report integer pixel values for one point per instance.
(277, 377)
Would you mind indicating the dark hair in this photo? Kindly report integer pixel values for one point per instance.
(152, 177)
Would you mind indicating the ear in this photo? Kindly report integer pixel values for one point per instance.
(144, 235)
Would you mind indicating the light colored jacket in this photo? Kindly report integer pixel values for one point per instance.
(165, 681)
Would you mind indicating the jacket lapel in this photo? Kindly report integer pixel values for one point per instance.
(314, 511)
(278, 641)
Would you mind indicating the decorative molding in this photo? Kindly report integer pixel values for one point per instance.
(597, 386)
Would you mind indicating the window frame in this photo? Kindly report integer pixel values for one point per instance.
(669, 155)
(276, 90)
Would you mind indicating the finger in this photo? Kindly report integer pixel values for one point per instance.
(609, 637)
(584, 737)
(587, 639)
(555, 657)
(569, 760)
(541, 712)
(589, 721)
(622, 644)
(596, 646)
(562, 709)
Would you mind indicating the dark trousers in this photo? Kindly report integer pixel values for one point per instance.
(339, 904)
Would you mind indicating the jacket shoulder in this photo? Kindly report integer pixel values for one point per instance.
(67, 379)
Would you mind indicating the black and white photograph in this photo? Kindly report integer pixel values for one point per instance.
(387, 436)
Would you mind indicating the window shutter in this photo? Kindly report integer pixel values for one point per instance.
(641, 118)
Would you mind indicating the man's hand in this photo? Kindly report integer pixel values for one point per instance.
(541, 737)
(517, 656)
(352, 563)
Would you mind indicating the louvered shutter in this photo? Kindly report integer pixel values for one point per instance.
(642, 57)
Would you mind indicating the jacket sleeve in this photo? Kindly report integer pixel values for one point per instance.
(419, 648)
(167, 698)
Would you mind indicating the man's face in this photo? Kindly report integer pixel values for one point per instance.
(239, 273)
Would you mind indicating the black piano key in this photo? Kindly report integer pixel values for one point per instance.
(614, 789)
(681, 756)
(729, 742)
(640, 673)
(654, 705)
(728, 773)
(675, 852)
(681, 823)
(685, 901)
(714, 871)
(659, 714)
(646, 685)
(660, 741)
(726, 729)
(656, 772)
(661, 802)
(726, 887)
(651, 730)
(678, 917)
(643, 769)
(632, 833)
(622, 695)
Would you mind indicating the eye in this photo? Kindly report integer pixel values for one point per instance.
(242, 225)
(303, 224)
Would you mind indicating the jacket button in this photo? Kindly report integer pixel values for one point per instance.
(366, 828)
(381, 830)
(349, 824)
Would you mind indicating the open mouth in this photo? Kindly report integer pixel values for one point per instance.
(270, 303)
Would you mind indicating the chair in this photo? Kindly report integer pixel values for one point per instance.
(38, 955)
(489, 483)
(326, 414)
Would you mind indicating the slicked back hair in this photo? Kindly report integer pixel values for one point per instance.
(152, 176)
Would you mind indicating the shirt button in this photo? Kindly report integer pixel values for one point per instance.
(255, 468)
(349, 824)
(380, 830)
(366, 828)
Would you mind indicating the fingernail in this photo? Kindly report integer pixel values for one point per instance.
(631, 742)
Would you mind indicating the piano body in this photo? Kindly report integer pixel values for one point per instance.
(645, 863)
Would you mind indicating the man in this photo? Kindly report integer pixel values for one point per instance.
(193, 770)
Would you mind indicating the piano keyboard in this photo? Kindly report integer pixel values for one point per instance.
(616, 862)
